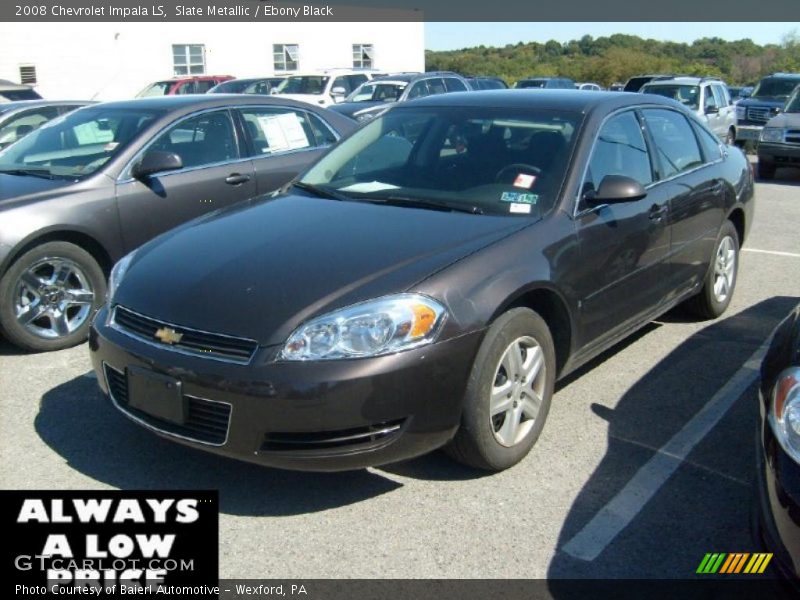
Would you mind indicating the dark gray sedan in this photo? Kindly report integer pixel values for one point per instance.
(18, 119)
(82, 190)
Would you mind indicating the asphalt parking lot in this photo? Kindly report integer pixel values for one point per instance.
(646, 462)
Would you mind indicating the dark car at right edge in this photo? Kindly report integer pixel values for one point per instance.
(427, 281)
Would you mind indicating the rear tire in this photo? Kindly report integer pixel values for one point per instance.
(720, 282)
(49, 295)
(508, 394)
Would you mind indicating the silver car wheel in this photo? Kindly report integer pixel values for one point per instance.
(53, 298)
(517, 391)
(724, 269)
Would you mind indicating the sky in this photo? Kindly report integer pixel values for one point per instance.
(451, 36)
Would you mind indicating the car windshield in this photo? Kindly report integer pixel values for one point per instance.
(377, 92)
(77, 144)
(303, 84)
(793, 103)
(774, 87)
(482, 160)
(159, 88)
(685, 94)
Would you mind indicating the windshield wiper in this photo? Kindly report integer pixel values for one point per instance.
(395, 200)
(321, 192)
(43, 172)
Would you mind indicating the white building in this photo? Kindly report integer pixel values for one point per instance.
(108, 61)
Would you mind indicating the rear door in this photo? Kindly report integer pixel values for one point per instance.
(688, 168)
(623, 246)
(216, 173)
(282, 142)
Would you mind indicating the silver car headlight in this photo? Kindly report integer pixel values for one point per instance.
(117, 275)
(374, 328)
(772, 134)
(785, 412)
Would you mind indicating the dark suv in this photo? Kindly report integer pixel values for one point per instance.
(549, 83)
(767, 100)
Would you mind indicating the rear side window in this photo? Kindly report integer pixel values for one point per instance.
(454, 85)
(418, 90)
(709, 143)
(323, 133)
(620, 149)
(436, 86)
(201, 87)
(675, 142)
(276, 130)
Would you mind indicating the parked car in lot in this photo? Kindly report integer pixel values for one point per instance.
(11, 92)
(324, 88)
(373, 97)
(427, 281)
(767, 100)
(777, 486)
(18, 119)
(258, 85)
(79, 192)
(706, 96)
(486, 82)
(635, 83)
(779, 142)
(739, 92)
(198, 84)
(616, 87)
(589, 87)
(549, 83)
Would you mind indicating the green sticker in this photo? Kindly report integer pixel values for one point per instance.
(519, 197)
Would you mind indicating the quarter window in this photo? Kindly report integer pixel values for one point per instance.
(189, 59)
(202, 140)
(286, 57)
(709, 143)
(620, 149)
(675, 142)
(363, 56)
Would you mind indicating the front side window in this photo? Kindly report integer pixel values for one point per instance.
(189, 59)
(24, 123)
(77, 144)
(202, 140)
(479, 159)
(436, 86)
(275, 130)
(675, 142)
(620, 149)
(711, 101)
(286, 57)
(363, 56)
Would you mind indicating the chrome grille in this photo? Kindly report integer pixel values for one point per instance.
(758, 114)
(201, 343)
(792, 136)
(207, 421)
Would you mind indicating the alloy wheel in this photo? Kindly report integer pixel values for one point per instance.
(724, 269)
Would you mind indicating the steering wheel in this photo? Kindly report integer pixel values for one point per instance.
(515, 169)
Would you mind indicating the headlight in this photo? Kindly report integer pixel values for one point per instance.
(117, 274)
(772, 134)
(785, 414)
(373, 328)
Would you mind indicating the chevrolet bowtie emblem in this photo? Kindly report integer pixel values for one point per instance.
(168, 335)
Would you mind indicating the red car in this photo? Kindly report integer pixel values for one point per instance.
(198, 84)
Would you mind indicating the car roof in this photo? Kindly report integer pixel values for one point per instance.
(569, 100)
(189, 102)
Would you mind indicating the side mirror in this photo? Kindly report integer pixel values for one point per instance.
(712, 110)
(338, 93)
(156, 161)
(616, 188)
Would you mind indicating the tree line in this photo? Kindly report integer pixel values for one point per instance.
(615, 58)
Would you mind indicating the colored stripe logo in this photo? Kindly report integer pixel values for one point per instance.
(733, 563)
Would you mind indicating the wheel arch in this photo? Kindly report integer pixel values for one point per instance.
(738, 218)
(79, 238)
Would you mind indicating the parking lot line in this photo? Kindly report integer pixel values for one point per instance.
(615, 516)
(775, 252)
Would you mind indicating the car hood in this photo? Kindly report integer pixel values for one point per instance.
(785, 120)
(261, 269)
(770, 101)
(18, 189)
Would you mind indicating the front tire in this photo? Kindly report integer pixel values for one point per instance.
(720, 282)
(508, 394)
(48, 296)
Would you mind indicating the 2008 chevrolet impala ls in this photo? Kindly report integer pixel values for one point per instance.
(427, 281)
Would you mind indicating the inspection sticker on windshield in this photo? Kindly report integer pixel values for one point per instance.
(519, 197)
(519, 208)
(524, 180)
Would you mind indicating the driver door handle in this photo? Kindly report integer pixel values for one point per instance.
(237, 179)
(657, 212)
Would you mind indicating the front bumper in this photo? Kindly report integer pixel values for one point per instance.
(748, 132)
(778, 501)
(317, 416)
(786, 154)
